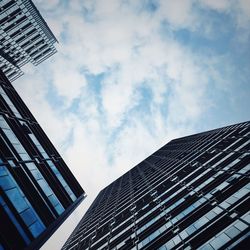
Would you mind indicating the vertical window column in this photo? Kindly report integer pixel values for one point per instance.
(45, 187)
(61, 179)
(13, 139)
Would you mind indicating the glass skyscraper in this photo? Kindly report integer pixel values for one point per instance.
(24, 37)
(37, 190)
(193, 193)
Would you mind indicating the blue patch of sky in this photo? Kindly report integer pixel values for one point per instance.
(64, 36)
(227, 104)
(95, 81)
(146, 95)
(150, 5)
(224, 39)
(57, 101)
(95, 86)
(241, 50)
(215, 34)
(146, 106)
(68, 140)
(74, 106)
(53, 98)
(88, 14)
(224, 111)
(142, 109)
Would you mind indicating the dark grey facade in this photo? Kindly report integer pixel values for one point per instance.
(193, 193)
(24, 37)
(37, 190)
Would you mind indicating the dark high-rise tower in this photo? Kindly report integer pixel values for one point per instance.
(37, 189)
(193, 193)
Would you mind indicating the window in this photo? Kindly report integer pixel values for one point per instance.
(28, 216)
(9, 102)
(17, 199)
(14, 221)
(45, 187)
(219, 241)
(13, 139)
(61, 179)
(36, 229)
(20, 202)
(38, 145)
(232, 232)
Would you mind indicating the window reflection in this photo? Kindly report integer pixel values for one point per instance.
(45, 187)
(20, 202)
(13, 139)
(61, 179)
(9, 102)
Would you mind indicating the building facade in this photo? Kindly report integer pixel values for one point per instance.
(24, 37)
(37, 190)
(193, 193)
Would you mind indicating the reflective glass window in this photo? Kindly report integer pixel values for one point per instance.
(170, 244)
(36, 229)
(190, 229)
(14, 221)
(47, 190)
(247, 218)
(17, 199)
(9, 102)
(38, 145)
(6, 182)
(240, 225)
(219, 241)
(177, 239)
(206, 247)
(53, 200)
(37, 175)
(183, 234)
(2, 171)
(28, 216)
(59, 208)
(61, 179)
(13, 139)
(232, 232)
(210, 215)
(45, 187)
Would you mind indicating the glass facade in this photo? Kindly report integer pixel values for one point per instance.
(24, 37)
(20, 202)
(193, 193)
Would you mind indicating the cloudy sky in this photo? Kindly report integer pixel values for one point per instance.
(130, 75)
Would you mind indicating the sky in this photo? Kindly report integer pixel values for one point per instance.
(131, 75)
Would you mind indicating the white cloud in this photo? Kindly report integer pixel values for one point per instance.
(126, 43)
(222, 5)
(178, 13)
(67, 79)
(48, 4)
(33, 88)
